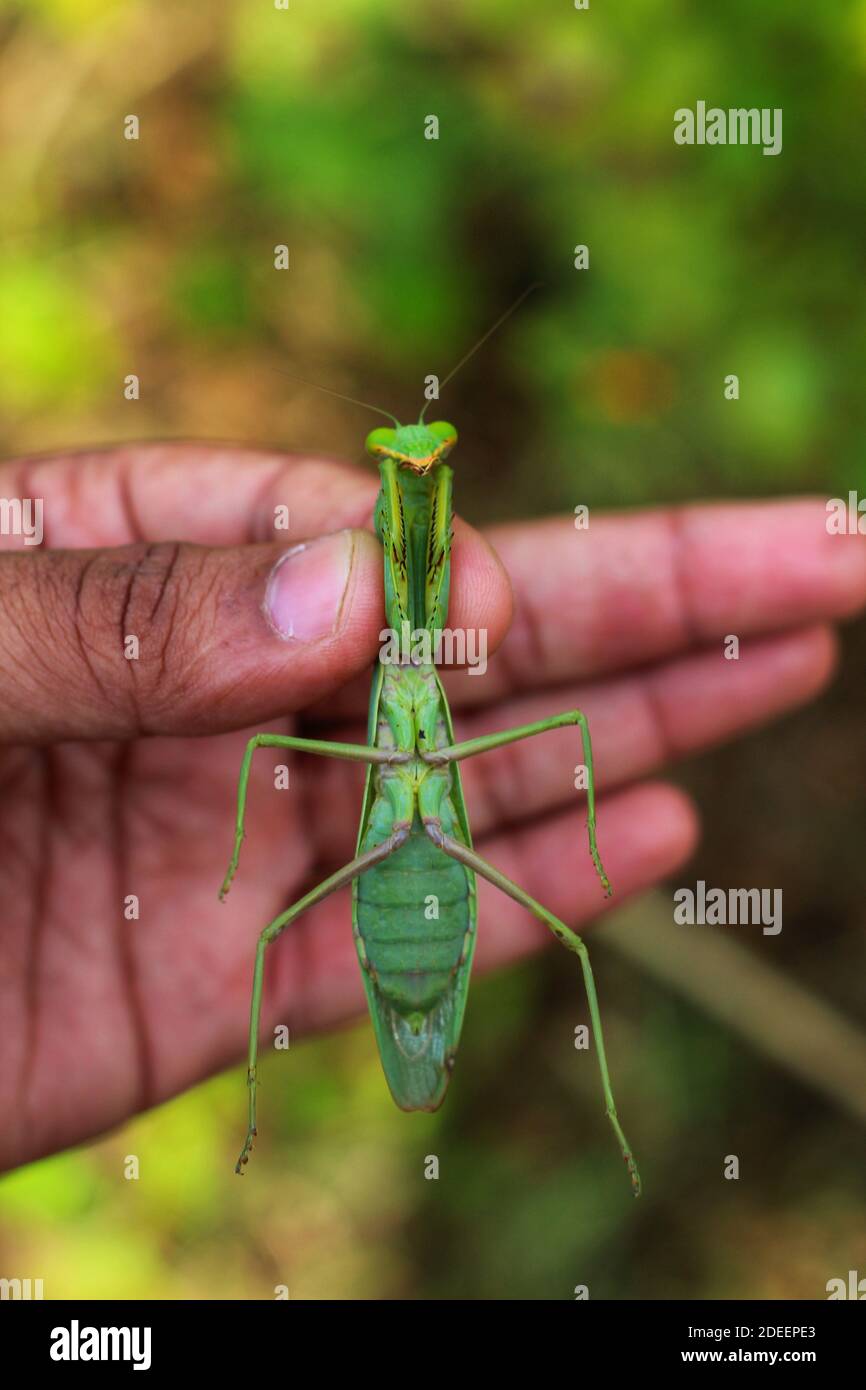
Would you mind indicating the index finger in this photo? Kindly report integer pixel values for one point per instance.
(209, 494)
(646, 586)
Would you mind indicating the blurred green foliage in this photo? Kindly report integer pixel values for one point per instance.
(305, 127)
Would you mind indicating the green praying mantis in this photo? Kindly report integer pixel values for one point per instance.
(414, 844)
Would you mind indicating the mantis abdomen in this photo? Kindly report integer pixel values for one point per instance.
(413, 917)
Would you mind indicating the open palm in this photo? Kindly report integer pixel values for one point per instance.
(122, 979)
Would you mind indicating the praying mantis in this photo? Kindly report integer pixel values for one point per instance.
(414, 844)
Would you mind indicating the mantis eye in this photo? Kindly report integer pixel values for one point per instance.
(379, 441)
(443, 431)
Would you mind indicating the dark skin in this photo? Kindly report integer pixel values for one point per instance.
(119, 777)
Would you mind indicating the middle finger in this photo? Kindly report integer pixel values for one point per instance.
(638, 722)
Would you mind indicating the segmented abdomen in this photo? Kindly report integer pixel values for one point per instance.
(413, 915)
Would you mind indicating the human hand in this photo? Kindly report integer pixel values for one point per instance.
(118, 777)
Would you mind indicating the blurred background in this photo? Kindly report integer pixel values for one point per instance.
(304, 126)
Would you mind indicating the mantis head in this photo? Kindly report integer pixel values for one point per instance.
(417, 447)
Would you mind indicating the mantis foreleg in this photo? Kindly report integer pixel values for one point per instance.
(329, 885)
(479, 865)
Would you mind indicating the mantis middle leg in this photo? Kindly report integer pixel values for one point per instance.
(354, 752)
(458, 751)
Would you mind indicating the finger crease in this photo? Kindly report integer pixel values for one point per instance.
(681, 589)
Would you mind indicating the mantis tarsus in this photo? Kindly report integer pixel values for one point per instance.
(414, 839)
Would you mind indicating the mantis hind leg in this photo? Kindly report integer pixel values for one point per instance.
(343, 876)
(572, 941)
(458, 751)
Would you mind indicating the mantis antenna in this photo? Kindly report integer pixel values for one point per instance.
(483, 339)
(339, 394)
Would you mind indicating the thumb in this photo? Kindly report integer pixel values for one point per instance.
(172, 638)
